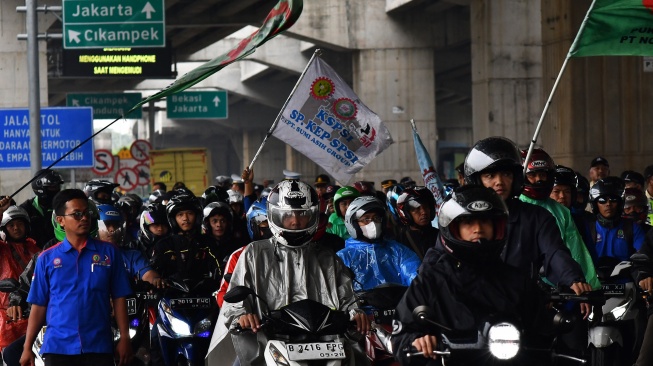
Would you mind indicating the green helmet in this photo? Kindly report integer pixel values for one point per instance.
(344, 192)
(60, 233)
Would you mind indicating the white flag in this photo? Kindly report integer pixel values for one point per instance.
(326, 121)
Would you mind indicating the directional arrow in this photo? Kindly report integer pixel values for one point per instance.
(75, 103)
(74, 36)
(148, 10)
(216, 100)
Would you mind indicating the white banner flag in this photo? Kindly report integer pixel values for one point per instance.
(326, 121)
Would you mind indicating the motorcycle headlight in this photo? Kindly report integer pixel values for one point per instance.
(503, 339)
(203, 328)
(278, 357)
(178, 326)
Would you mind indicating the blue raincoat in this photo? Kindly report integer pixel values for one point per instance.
(376, 264)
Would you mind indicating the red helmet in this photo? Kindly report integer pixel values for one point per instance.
(365, 188)
(540, 161)
(414, 196)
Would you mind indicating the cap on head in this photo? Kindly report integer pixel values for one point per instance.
(599, 160)
(322, 179)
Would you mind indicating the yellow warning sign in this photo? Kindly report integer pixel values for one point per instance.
(125, 153)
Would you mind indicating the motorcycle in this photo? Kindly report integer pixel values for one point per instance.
(618, 330)
(379, 304)
(500, 339)
(10, 285)
(304, 332)
(185, 321)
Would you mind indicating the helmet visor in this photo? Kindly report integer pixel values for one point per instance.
(293, 219)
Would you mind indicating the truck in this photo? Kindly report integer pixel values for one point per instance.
(187, 165)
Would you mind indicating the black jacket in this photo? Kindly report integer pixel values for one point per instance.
(41, 229)
(420, 241)
(188, 257)
(461, 297)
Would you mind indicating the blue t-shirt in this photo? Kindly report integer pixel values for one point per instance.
(76, 287)
(135, 263)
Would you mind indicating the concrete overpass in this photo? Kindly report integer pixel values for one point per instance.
(463, 69)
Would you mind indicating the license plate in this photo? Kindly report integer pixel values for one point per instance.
(614, 289)
(191, 303)
(146, 296)
(314, 351)
(131, 306)
(384, 316)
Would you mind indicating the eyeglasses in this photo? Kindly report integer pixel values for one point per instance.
(78, 215)
(367, 220)
(604, 200)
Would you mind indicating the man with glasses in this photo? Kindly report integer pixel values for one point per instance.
(375, 260)
(74, 286)
(613, 235)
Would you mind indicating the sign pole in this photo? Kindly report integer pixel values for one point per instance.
(34, 86)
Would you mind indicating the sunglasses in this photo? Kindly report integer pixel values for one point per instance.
(604, 200)
(78, 215)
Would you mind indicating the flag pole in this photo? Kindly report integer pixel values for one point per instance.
(317, 53)
(555, 86)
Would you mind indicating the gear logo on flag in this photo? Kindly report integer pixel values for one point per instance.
(322, 88)
(345, 108)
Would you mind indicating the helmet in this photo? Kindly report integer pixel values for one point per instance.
(217, 208)
(13, 213)
(449, 186)
(60, 233)
(154, 213)
(182, 190)
(293, 197)
(391, 200)
(493, 154)
(342, 193)
(365, 188)
(634, 197)
(156, 195)
(414, 196)
(183, 202)
(564, 176)
(473, 201)
(265, 192)
(110, 214)
(633, 176)
(407, 182)
(215, 194)
(582, 190)
(235, 196)
(96, 186)
(46, 178)
(358, 208)
(223, 181)
(607, 187)
(130, 204)
(540, 162)
(257, 213)
(330, 191)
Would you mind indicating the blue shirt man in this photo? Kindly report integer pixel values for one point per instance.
(73, 285)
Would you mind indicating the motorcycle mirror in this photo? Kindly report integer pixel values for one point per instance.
(9, 285)
(424, 314)
(238, 294)
(639, 257)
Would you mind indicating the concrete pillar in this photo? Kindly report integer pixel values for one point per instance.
(14, 86)
(506, 46)
(398, 84)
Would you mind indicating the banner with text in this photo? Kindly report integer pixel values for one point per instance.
(326, 121)
(61, 130)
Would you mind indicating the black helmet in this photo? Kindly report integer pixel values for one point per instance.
(473, 201)
(635, 197)
(154, 213)
(494, 154)
(566, 177)
(414, 196)
(540, 161)
(293, 197)
(46, 178)
(130, 205)
(215, 194)
(95, 186)
(183, 202)
(217, 208)
(358, 208)
(605, 188)
(582, 190)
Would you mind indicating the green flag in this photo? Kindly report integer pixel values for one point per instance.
(616, 28)
(280, 18)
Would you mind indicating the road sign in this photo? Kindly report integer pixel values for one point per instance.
(110, 23)
(104, 162)
(140, 150)
(62, 129)
(143, 173)
(127, 178)
(107, 106)
(117, 62)
(197, 105)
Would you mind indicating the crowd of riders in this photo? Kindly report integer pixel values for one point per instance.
(506, 229)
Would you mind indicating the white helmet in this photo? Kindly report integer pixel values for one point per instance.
(293, 199)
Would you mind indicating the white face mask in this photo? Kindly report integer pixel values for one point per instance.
(372, 231)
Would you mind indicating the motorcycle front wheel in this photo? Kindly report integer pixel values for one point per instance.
(605, 356)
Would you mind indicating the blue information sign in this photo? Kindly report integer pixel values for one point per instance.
(61, 130)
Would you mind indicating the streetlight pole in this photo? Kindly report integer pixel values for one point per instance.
(34, 87)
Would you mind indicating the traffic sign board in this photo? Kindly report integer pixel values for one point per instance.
(107, 106)
(143, 173)
(127, 178)
(62, 129)
(140, 150)
(103, 162)
(107, 23)
(197, 105)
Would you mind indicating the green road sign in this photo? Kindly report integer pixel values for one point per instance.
(197, 105)
(110, 23)
(107, 106)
